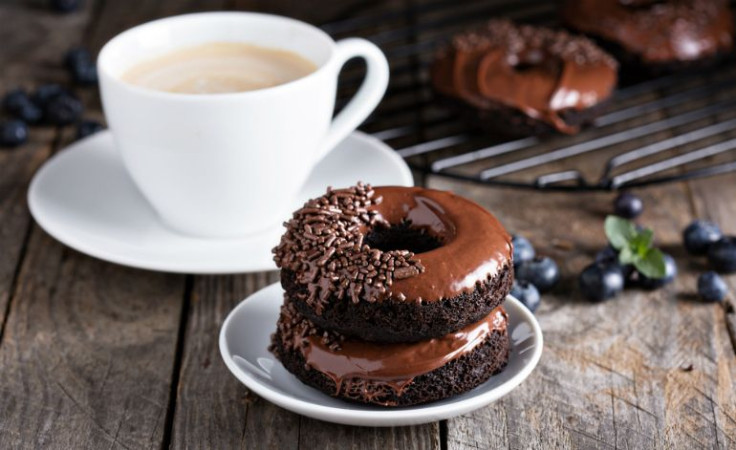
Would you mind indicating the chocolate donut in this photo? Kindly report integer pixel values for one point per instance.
(394, 264)
(660, 36)
(522, 80)
(391, 374)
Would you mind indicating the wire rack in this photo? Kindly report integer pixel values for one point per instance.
(659, 130)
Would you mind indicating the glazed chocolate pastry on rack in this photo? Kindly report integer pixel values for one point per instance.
(393, 295)
(654, 35)
(519, 80)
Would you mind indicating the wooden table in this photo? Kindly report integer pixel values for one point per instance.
(95, 355)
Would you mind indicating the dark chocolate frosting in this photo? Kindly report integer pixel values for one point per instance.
(657, 32)
(324, 245)
(475, 246)
(539, 71)
(344, 359)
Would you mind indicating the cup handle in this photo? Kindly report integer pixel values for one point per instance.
(368, 96)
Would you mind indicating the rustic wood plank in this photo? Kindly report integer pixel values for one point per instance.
(712, 207)
(28, 30)
(16, 168)
(87, 353)
(39, 38)
(213, 408)
(711, 200)
(89, 347)
(315, 434)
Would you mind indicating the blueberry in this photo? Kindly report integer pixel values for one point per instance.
(79, 61)
(722, 254)
(13, 133)
(76, 56)
(15, 99)
(85, 74)
(523, 249)
(628, 206)
(65, 6)
(601, 281)
(29, 113)
(711, 287)
(699, 235)
(670, 272)
(527, 294)
(63, 109)
(542, 272)
(87, 128)
(608, 254)
(44, 93)
(20, 105)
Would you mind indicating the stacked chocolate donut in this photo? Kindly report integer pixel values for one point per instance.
(393, 295)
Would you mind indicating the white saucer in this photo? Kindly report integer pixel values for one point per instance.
(84, 198)
(245, 336)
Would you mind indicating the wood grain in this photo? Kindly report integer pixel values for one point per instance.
(645, 370)
(212, 406)
(315, 434)
(87, 353)
(20, 62)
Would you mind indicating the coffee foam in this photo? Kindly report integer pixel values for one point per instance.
(219, 67)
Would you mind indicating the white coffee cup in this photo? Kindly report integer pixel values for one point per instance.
(227, 165)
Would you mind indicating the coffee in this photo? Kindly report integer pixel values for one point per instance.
(219, 67)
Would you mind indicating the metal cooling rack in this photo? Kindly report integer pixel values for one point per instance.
(659, 130)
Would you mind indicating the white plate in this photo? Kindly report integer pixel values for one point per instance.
(245, 336)
(84, 198)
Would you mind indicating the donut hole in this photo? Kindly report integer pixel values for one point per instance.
(535, 60)
(402, 236)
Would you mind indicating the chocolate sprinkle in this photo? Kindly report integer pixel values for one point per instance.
(294, 324)
(323, 245)
(517, 39)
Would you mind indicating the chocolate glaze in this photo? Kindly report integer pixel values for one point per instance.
(657, 32)
(324, 246)
(396, 364)
(538, 71)
(475, 246)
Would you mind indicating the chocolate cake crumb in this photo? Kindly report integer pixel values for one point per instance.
(324, 245)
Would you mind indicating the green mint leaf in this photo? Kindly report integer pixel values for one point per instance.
(642, 242)
(619, 232)
(628, 256)
(651, 264)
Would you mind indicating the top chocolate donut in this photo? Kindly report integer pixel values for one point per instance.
(538, 71)
(333, 245)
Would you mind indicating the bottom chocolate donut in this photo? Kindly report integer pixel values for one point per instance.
(392, 374)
